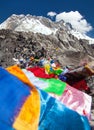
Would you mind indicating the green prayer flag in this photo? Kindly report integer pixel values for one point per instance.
(54, 86)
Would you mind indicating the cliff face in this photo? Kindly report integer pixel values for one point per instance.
(62, 46)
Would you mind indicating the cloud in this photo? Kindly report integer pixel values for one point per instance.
(76, 19)
(51, 14)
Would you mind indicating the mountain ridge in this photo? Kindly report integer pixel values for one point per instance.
(39, 24)
(55, 37)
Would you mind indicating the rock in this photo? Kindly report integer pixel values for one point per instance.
(66, 48)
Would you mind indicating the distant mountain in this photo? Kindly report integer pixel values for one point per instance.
(39, 24)
(29, 23)
(22, 35)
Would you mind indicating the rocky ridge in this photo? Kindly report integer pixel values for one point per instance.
(62, 46)
(25, 35)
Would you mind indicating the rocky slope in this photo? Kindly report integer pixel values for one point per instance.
(25, 35)
(62, 46)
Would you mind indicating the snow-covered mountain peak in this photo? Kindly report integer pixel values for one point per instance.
(26, 23)
(39, 24)
(77, 34)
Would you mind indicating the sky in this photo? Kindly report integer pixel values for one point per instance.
(80, 13)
